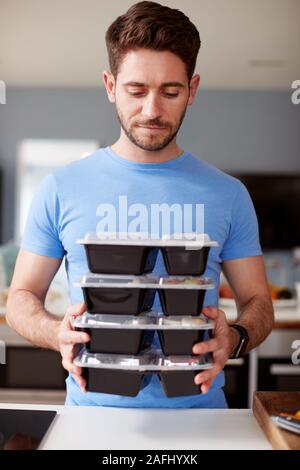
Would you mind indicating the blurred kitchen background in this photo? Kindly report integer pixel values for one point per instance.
(52, 54)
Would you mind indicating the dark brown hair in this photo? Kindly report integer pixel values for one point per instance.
(153, 26)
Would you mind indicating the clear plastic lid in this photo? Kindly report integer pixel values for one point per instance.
(146, 321)
(150, 360)
(148, 281)
(188, 240)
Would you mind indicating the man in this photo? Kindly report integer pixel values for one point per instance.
(152, 53)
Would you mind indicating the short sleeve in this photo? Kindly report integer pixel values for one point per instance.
(41, 234)
(243, 237)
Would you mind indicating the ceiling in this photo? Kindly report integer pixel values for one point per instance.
(245, 44)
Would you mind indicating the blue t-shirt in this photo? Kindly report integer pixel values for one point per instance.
(106, 192)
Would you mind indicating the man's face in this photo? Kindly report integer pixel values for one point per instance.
(151, 96)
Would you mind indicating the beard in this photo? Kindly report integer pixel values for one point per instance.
(154, 142)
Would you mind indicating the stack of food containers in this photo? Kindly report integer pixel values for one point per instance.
(119, 293)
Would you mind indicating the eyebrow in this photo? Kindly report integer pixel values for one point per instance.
(163, 85)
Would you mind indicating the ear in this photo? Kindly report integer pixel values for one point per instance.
(194, 84)
(110, 85)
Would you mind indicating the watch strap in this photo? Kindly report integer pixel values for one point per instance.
(244, 339)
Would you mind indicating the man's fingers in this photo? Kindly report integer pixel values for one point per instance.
(69, 340)
(68, 353)
(213, 313)
(73, 337)
(206, 386)
(76, 309)
(208, 374)
(81, 381)
(206, 346)
(76, 373)
(70, 367)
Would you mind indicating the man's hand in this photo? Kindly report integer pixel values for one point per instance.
(69, 342)
(222, 346)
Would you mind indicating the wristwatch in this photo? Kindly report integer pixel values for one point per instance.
(244, 340)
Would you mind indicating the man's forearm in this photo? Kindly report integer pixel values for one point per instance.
(257, 316)
(27, 315)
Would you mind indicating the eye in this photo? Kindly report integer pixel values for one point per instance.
(171, 95)
(168, 95)
(137, 94)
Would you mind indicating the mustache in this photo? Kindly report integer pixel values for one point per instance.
(153, 123)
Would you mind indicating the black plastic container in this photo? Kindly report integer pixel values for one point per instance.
(130, 341)
(126, 374)
(179, 342)
(132, 295)
(120, 259)
(130, 383)
(114, 381)
(118, 341)
(118, 301)
(136, 253)
(179, 383)
(181, 261)
(182, 301)
(129, 335)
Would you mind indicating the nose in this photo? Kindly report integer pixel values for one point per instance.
(152, 106)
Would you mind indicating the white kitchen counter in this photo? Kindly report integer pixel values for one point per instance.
(149, 429)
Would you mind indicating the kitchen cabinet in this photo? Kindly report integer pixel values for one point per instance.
(276, 349)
